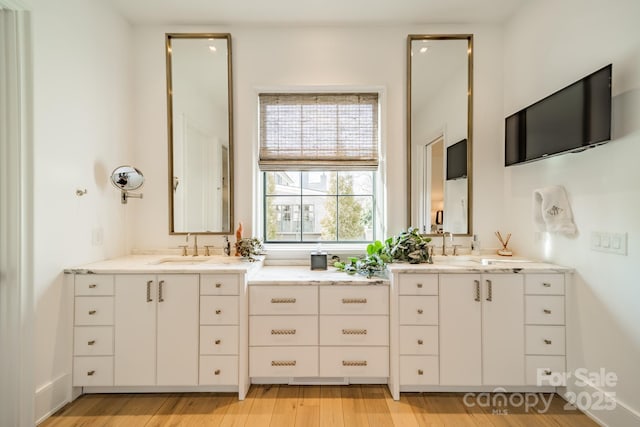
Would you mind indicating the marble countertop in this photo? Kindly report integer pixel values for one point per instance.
(303, 275)
(164, 263)
(479, 264)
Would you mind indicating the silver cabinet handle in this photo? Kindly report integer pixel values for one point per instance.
(149, 283)
(419, 285)
(218, 285)
(420, 372)
(354, 363)
(92, 342)
(477, 283)
(283, 363)
(92, 312)
(354, 300)
(546, 311)
(160, 297)
(283, 332)
(92, 286)
(489, 290)
(90, 373)
(547, 342)
(283, 300)
(354, 332)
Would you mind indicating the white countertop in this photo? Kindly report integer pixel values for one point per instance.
(158, 264)
(303, 275)
(479, 264)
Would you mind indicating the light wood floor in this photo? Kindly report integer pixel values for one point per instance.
(305, 406)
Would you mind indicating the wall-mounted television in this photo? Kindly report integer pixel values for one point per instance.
(457, 160)
(572, 119)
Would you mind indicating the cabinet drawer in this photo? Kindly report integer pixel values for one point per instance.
(544, 310)
(418, 340)
(354, 361)
(283, 330)
(418, 310)
(219, 310)
(544, 284)
(354, 300)
(419, 370)
(283, 300)
(547, 340)
(354, 330)
(218, 370)
(218, 340)
(545, 370)
(283, 361)
(219, 284)
(418, 284)
(93, 341)
(93, 371)
(93, 284)
(92, 311)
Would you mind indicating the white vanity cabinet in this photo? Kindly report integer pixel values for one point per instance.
(481, 329)
(156, 330)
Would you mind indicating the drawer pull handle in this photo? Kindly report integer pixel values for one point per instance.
(217, 342)
(546, 285)
(92, 286)
(354, 300)
(420, 311)
(218, 311)
(92, 312)
(420, 342)
(420, 372)
(354, 363)
(477, 283)
(283, 332)
(283, 300)
(419, 285)
(160, 293)
(354, 332)
(92, 342)
(283, 363)
(149, 291)
(548, 342)
(90, 373)
(216, 372)
(546, 311)
(547, 372)
(489, 291)
(218, 285)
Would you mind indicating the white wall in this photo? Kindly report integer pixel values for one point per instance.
(549, 44)
(82, 130)
(273, 57)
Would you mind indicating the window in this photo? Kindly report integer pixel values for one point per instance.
(319, 156)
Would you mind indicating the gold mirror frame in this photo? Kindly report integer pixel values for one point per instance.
(469, 38)
(171, 181)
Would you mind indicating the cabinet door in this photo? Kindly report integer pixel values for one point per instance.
(460, 330)
(135, 330)
(177, 346)
(503, 329)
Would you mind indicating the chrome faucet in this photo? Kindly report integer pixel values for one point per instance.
(444, 241)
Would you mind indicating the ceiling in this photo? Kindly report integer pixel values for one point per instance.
(315, 12)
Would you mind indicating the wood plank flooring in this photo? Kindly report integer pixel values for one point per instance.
(309, 406)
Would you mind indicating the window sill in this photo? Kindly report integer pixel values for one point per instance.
(298, 251)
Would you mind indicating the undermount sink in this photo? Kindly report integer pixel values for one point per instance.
(191, 260)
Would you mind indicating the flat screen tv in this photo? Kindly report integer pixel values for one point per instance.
(570, 120)
(457, 160)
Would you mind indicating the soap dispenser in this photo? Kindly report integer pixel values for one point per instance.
(318, 259)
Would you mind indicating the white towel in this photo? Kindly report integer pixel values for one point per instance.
(551, 210)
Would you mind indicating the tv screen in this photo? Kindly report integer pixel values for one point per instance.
(572, 119)
(457, 160)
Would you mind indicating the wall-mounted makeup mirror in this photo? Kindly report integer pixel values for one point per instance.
(439, 128)
(200, 117)
(127, 179)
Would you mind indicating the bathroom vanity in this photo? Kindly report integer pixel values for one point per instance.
(159, 323)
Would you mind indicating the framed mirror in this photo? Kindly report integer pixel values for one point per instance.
(200, 121)
(439, 132)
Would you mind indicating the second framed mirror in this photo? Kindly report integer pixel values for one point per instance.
(439, 132)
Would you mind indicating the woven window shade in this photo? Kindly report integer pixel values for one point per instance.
(318, 131)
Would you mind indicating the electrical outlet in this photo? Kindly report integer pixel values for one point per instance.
(614, 243)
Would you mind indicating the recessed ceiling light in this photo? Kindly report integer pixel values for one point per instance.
(423, 49)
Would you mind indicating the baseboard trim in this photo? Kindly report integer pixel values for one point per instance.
(52, 396)
(621, 415)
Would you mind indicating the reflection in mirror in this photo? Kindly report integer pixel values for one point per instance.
(200, 133)
(439, 133)
(126, 179)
